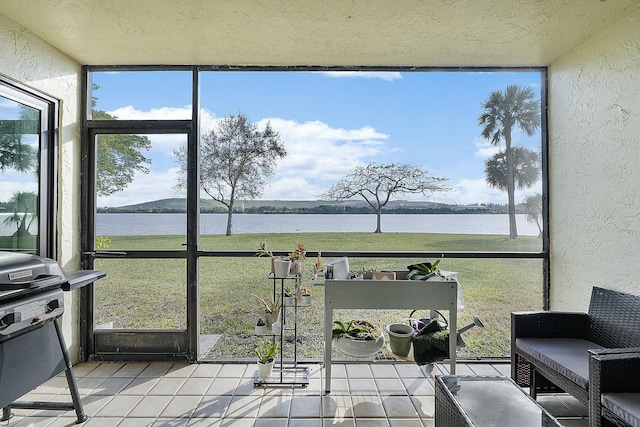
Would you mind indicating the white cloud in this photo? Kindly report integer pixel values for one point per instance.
(382, 75)
(145, 188)
(165, 113)
(484, 149)
(7, 103)
(12, 183)
(318, 155)
(472, 191)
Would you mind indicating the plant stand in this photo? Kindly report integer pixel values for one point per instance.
(289, 373)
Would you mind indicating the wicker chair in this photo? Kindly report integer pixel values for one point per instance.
(614, 381)
(550, 349)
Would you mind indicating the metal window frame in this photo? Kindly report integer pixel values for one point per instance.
(48, 160)
(192, 253)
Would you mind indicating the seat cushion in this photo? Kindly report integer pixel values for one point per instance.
(567, 356)
(625, 406)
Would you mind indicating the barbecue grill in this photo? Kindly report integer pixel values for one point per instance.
(32, 347)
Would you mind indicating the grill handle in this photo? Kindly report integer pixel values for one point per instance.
(29, 283)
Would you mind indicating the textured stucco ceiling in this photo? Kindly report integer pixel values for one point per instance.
(317, 32)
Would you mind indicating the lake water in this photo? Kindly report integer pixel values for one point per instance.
(110, 224)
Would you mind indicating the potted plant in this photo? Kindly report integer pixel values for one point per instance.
(358, 338)
(261, 328)
(423, 270)
(289, 297)
(297, 258)
(271, 309)
(264, 252)
(305, 295)
(265, 351)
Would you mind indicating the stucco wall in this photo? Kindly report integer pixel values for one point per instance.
(32, 62)
(594, 164)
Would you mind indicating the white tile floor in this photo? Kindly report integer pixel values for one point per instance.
(223, 395)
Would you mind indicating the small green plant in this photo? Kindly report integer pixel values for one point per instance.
(356, 329)
(102, 242)
(423, 270)
(265, 350)
(263, 251)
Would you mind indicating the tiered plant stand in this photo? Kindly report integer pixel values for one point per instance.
(290, 373)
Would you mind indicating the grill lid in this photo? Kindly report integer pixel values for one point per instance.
(23, 271)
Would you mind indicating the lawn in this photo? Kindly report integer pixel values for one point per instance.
(151, 293)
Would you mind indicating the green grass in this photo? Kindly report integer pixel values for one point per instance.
(151, 293)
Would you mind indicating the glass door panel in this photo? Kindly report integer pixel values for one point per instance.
(19, 176)
(137, 223)
(140, 201)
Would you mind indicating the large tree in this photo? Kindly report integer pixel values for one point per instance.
(119, 156)
(377, 184)
(533, 210)
(236, 160)
(504, 112)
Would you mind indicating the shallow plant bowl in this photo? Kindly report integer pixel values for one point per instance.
(358, 348)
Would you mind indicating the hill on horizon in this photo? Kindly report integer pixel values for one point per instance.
(180, 204)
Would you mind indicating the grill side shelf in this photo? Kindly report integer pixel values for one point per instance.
(81, 278)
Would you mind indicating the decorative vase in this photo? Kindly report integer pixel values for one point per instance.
(281, 268)
(265, 369)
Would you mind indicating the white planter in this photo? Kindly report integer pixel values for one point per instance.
(265, 369)
(281, 268)
(305, 299)
(358, 348)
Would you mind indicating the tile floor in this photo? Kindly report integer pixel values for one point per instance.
(223, 395)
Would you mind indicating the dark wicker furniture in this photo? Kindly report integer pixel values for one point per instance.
(486, 401)
(550, 349)
(614, 398)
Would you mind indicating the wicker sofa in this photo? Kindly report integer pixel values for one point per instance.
(614, 377)
(551, 350)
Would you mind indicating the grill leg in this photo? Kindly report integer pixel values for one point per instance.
(71, 379)
(6, 413)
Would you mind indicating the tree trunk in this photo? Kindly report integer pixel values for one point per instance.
(378, 215)
(229, 216)
(511, 186)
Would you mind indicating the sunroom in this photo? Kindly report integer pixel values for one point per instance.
(69, 62)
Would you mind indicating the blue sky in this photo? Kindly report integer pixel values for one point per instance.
(329, 122)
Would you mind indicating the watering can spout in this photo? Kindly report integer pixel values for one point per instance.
(476, 322)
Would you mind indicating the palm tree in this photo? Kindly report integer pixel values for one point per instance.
(526, 166)
(25, 207)
(516, 107)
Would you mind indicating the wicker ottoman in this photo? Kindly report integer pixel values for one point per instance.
(485, 402)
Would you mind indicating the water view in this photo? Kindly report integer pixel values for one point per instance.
(110, 224)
